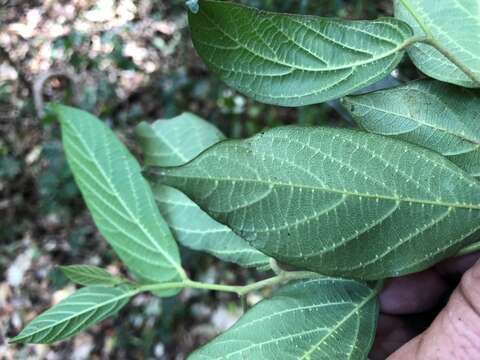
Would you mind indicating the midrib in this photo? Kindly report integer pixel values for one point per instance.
(336, 191)
(395, 50)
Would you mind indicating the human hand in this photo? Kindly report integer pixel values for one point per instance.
(455, 331)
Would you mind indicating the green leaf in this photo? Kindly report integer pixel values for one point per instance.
(295, 60)
(435, 115)
(455, 25)
(118, 197)
(336, 201)
(175, 142)
(90, 275)
(196, 230)
(316, 319)
(86, 307)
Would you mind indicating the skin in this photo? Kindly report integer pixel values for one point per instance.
(453, 287)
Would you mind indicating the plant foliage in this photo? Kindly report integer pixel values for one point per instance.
(84, 308)
(308, 314)
(295, 60)
(289, 192)
(176, 142)
(454, 28)
(118, 197)
(393, 198)
(435, 115)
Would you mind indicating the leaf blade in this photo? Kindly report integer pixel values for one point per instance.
(90, 275)
(118, 197)
(175, 142)
(302, 321)
(194, 229)
(71, 315)
(314, 197)
(455, 24)
(321, 61)
(428, 113)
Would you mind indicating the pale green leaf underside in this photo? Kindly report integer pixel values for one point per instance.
(86, 307)
(455, 24)
(118, 197)
(311, 320)
(196, 230)
(175, 142)
(294, 60)
(90, 275)
(435, 115)
(336, 201)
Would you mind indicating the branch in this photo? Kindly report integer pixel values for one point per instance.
(283, 278)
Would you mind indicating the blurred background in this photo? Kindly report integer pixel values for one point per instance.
(125, 61)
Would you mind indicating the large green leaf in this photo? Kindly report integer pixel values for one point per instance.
(118, 197)
(455, 25)
(175, 142)
(86, 307)
(336, 201)
(294, 60)
(429, 113)
(90, 275)
(316, 319)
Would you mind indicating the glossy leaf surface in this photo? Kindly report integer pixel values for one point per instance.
(294, 60)
(429, 113)
(316, 319)
(335, 201)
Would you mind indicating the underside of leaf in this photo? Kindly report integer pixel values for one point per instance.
(336, 201)
(118, 197)
(294, 60)
(308, 320)
(435, 115)
(84, 308)
(454, 25)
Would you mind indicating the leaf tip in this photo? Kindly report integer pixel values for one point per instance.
(16, 339)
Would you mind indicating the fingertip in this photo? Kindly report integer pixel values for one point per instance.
(455, 332)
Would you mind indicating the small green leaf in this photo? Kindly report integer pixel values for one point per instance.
(435, 115)
(118, 197)
(196, 230)
(455, 25)
(175, 142)
(295, 60)
(336, 201)
(316, 319)
(90, 275)
(86, 307)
